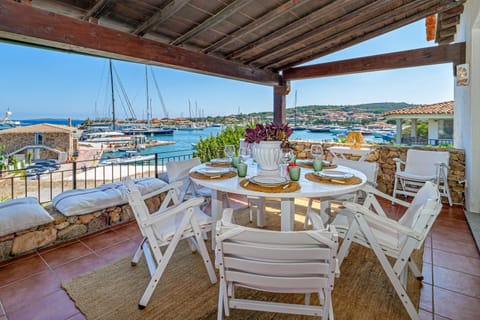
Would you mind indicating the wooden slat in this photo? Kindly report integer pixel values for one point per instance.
(212, 21)
(340, 41)
(277, 268)
(411, 58)
(284, 31)
(323, 30)
(98, 7)
(255, 251)
(254, 25)
(444, 33)
(160, 16)
(26, 24)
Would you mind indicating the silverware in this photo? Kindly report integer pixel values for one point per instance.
(246, 183)
(286, 186)
(337, 181)
(214, 177)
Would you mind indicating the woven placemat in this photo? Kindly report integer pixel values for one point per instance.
(223, 176)
(310, 165)
(291, 187)
(350, 181)
(218, 164)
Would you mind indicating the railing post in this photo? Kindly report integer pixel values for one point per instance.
(156, 165)
(74, 177)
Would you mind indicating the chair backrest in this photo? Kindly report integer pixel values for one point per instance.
(289, 262)
(178, 170)
(134, 197)
(423, 210)
(369, 169)
(422, 162)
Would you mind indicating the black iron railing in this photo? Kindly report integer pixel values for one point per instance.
(82, 175)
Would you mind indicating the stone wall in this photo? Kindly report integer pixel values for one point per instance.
(65, 228)
(384, 155)
(57, 140)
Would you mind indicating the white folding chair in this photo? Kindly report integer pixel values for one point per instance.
(388, 237)
(422, 166)
(273, 261)
(178, 171)
(173, 222)
(369, 169)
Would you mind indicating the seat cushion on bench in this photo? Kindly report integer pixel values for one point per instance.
(83, 201)
(21, 214)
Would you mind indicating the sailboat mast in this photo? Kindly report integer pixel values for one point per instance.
(148, 98)
(295, 108)
(113, 96)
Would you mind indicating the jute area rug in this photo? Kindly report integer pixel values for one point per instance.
(362, 291)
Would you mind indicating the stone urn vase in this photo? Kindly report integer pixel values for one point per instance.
(267, 154)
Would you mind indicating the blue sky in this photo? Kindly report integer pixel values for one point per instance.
(40, 83)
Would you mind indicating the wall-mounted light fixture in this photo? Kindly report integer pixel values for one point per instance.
(463, 74)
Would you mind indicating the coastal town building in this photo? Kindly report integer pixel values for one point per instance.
(42, 141)
(440, 123)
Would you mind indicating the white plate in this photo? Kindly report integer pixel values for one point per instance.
(333, 174)
(269, 181)
(326, 163)
(220, 160)
(213, 171)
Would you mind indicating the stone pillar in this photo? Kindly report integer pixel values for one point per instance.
(399, 132)
(413, 130)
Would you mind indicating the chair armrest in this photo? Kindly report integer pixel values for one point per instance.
(370, 189)
(442, 165)
(168, 187)
(172, 210)
(398, 163)
(390, 223)
(317, 222)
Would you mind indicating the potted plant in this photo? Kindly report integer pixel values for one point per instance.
(267, 141)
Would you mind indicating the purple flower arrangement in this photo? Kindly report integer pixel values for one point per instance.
(268, 132)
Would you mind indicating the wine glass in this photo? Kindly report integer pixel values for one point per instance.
(244, 153)
(316, 151)
(229, 151)
(285, 157)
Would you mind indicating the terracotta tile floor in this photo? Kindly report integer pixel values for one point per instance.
(30, 286)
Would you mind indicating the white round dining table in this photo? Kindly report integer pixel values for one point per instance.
(309, 189)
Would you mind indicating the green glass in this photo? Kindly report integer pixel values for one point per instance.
(294, 173)
(235, 161)
(242, 169)
(317, 165)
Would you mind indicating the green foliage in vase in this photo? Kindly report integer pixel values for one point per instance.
(212, 147)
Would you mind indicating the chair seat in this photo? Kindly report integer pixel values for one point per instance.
(386, 237)
(416, 177)
(167, 229)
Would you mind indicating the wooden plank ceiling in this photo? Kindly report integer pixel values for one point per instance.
(266, 36)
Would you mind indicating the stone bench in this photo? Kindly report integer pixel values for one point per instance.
(65, 227)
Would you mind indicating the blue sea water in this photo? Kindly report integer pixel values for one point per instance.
(184, 139)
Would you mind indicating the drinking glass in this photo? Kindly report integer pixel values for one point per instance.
(317, 165)
(294, 173)
(316, 151)
(286, 155)
(245, 153)
(229, 151)
(242, 169)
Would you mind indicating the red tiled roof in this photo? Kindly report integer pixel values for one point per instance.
(436, 108)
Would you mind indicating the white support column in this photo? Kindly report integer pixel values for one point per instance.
(467, 104)
(432, 130)
(399, 131)
(413, 130)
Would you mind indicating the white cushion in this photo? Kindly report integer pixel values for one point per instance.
(21, 214)
(168, 227)
(83, 201)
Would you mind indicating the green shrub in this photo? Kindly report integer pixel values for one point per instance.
(212, 147)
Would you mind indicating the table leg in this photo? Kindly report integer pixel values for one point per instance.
(261, 212)
(216, 211)
(288, 214)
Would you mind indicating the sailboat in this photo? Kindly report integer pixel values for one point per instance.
(149, 129)
(296, 127)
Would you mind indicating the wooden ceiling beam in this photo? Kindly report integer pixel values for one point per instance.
(450, 22)
(220, 16)
(25, 24)
(254, 25)
(160, 16)
(323, 30)
(445, 33)
(327, 7)
(378, 26)
(97, 9)
(404, 59)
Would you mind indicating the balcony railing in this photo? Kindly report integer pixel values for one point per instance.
(82, 174)
(426, 141)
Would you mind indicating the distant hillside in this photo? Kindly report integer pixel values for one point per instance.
(378, 107)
